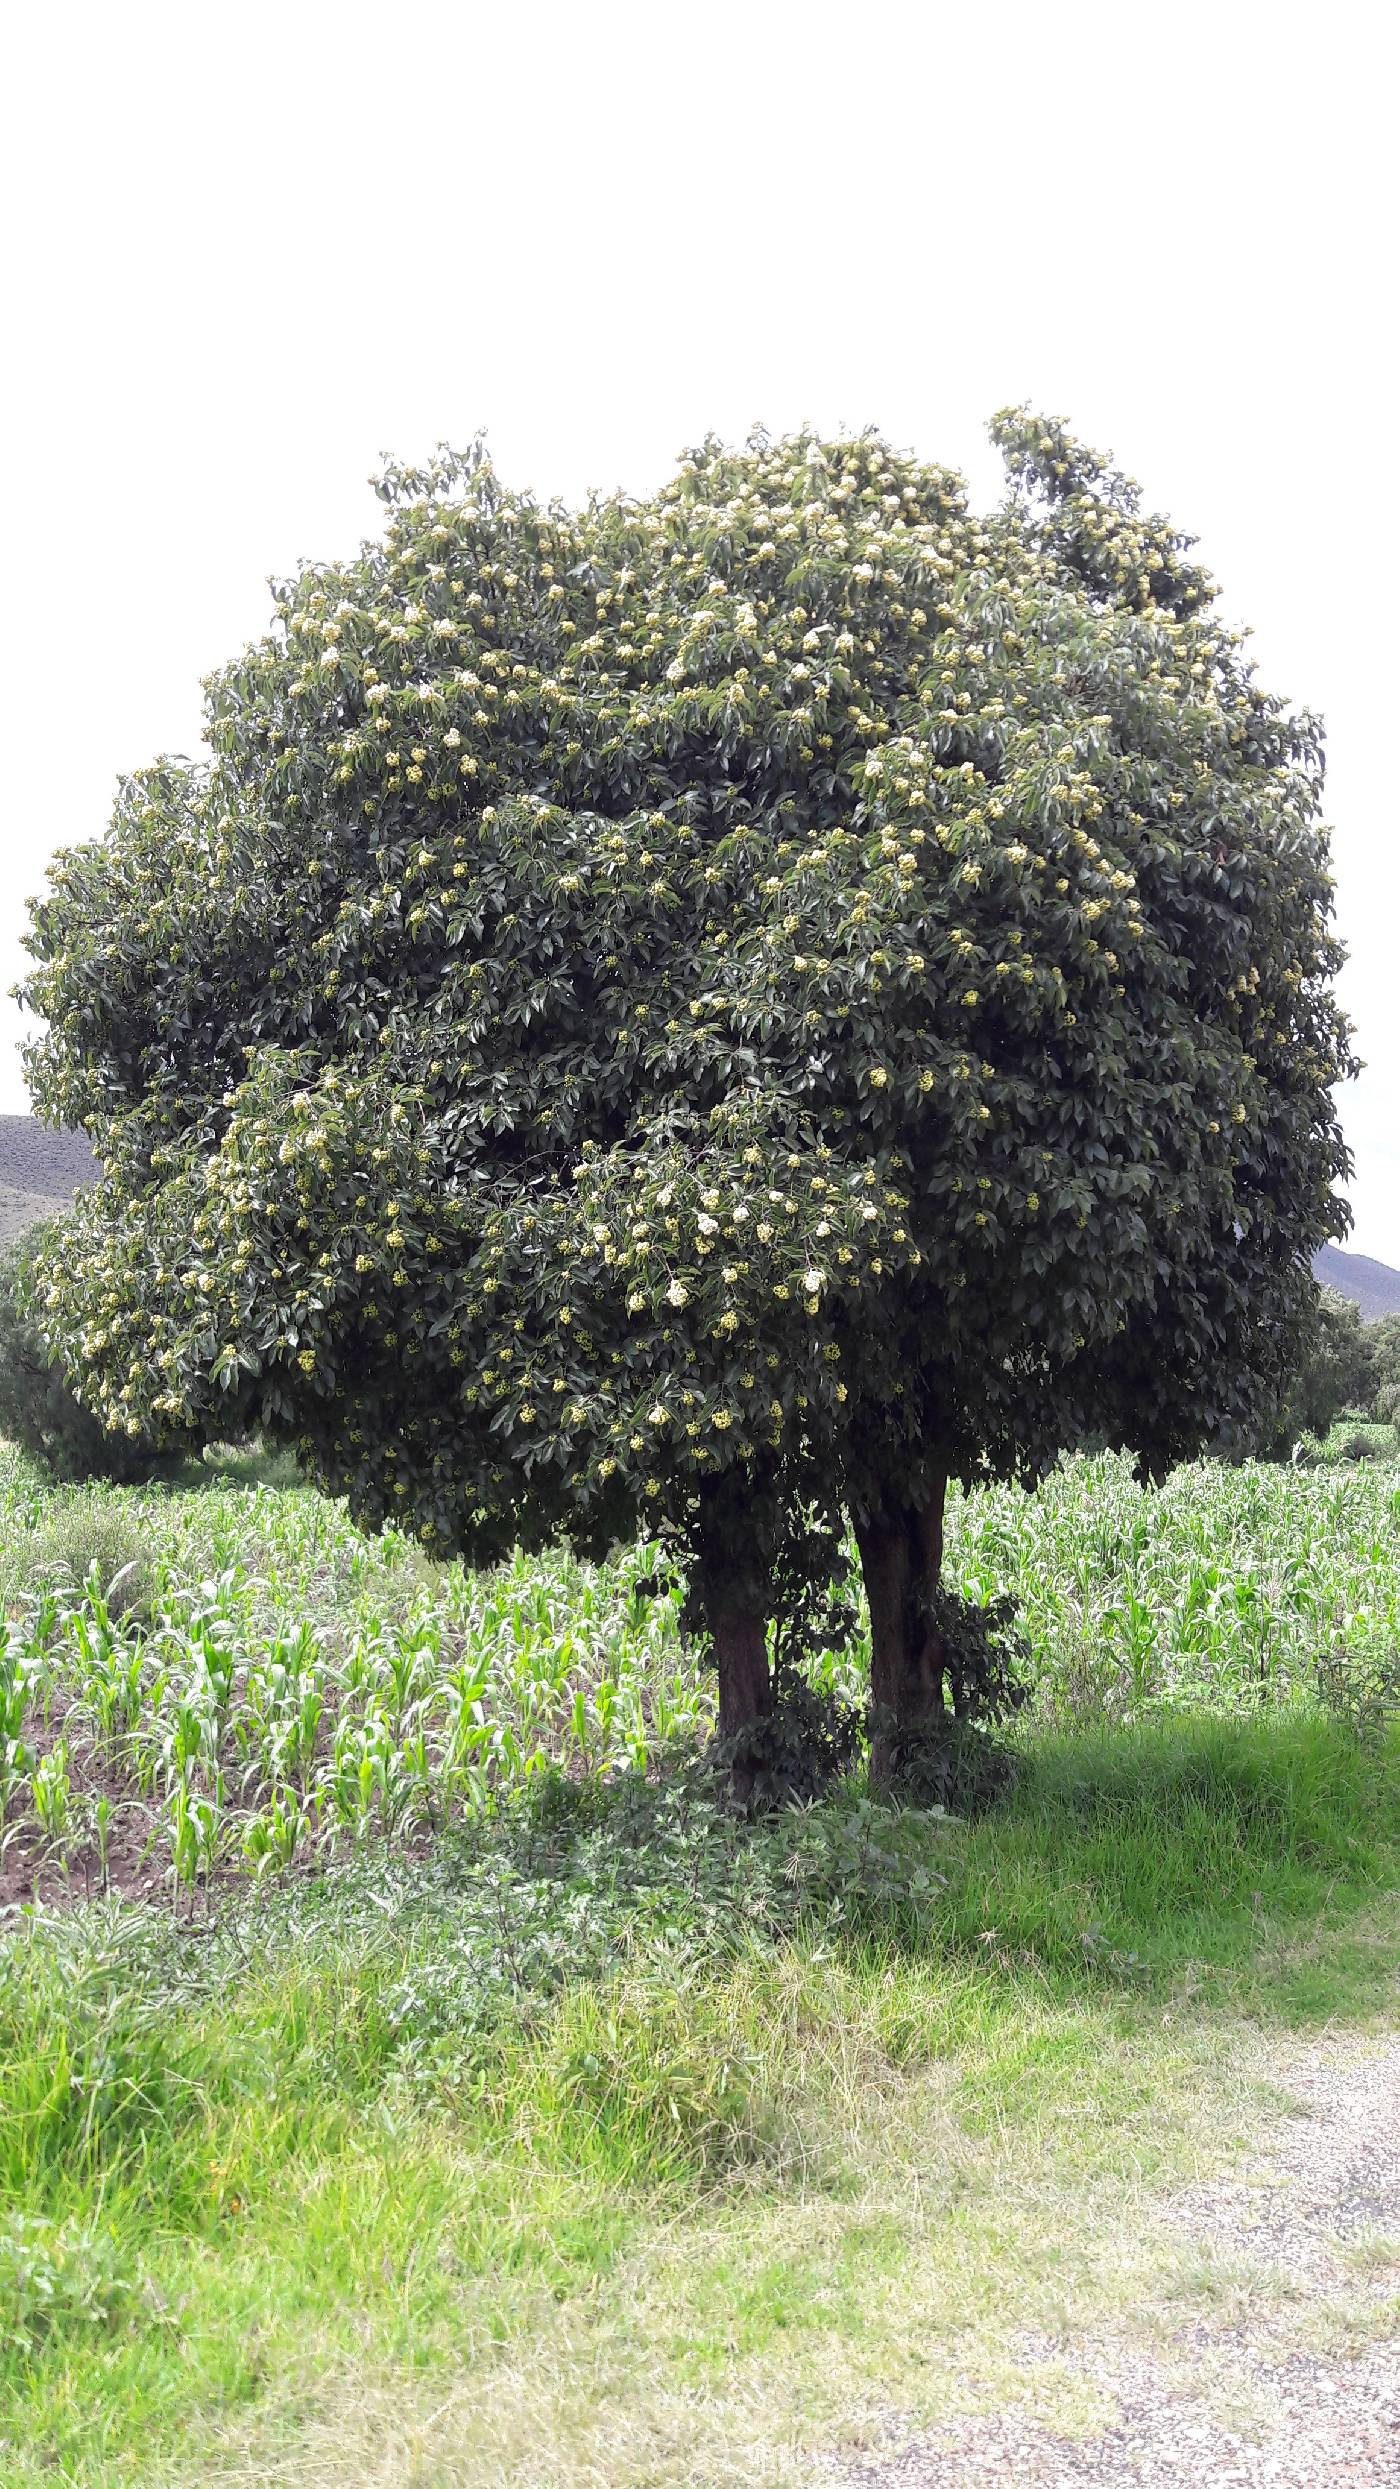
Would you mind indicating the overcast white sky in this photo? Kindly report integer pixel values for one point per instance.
(249, 247)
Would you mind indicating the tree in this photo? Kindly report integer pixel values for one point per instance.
(709, 1012)
(1334, 1371)
(1383, 1377)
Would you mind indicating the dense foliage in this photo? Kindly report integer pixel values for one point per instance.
(39, 1410)
(709, 1011)
(1336, 1370)
(1345, 1369)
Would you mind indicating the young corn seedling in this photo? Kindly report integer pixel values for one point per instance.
(103, 1815)
(16, 1686)
(367, 1777)
(45, 1614)
(196, 1827)
(52, 1793)
(284, 1703)
(272, 1837)
(421, 1778)
(109, 1669)
(410, 1660)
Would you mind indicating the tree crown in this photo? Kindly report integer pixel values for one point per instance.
(743, 984)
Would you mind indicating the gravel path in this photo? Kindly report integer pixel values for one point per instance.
(1296, 2385)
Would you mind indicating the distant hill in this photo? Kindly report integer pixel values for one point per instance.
(1374, 1286)
(39, 1171)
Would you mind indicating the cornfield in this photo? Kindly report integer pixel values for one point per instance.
(231, 1677)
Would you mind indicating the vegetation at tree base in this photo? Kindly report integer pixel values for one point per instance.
(365, 2164)
(707, 1014)
(39, 1410)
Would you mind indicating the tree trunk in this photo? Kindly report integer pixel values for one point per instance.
(740, 1636)
(901, 1557)
(736, 1594)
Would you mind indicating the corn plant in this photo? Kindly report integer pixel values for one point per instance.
(16, 1687)
(196, 1825)
(52, 1793)
(283, 1826)
(286, 1684)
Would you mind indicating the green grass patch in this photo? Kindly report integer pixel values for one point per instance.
(616, 2085)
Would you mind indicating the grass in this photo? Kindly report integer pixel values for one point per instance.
(551, 2125)
(595, 2136)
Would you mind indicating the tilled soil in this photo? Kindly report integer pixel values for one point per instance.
(1295, 2384)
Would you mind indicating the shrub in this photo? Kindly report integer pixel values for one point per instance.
(799, 1748)
(83, 1541)
(1363, 1445)
(809, 1737)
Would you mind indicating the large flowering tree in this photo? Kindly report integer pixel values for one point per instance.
(702, 1009)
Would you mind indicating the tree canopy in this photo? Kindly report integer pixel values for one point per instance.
(699, 1009)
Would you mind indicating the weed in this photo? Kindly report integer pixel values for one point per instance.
(57, 2275)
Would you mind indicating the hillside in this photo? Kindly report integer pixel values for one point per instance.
(19, 1210)
(39, 1171)
(35, 1160)
(1374, 1286)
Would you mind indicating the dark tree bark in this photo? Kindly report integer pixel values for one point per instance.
(735, 1586)
(901, 1557)
(741, 1656)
